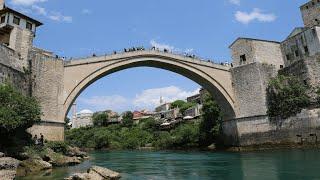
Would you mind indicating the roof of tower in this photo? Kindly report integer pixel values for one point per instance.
(7, 9)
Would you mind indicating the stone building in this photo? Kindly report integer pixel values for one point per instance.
(17, 31)
(302, 42)
(310, 13)
(163, 107)
(82, 119)
(194, 111)
(247, 50)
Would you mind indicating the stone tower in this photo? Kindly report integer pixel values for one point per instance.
(17, 31)
(311, 13)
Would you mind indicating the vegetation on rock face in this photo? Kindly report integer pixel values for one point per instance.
(211, 124)
(286, 97)
(17, 113)
(182, 105)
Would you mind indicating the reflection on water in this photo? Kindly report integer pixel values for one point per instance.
(286, 164)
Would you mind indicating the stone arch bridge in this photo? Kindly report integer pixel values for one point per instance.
(61, 82)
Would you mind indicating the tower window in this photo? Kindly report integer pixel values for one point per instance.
(288, 57)
(306, 49)
(16, 20)
(243, 59)
(296, 52)
(3, 19)
(29, 26)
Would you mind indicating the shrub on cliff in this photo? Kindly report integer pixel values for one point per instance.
(211, 124)
(286, 97)
(17, 113)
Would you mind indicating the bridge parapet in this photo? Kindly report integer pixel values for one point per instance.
(146, 53)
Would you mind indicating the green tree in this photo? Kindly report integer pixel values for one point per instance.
(211, 124)
(100, 119)
(286, 97)
(17, 113)
(127, 119)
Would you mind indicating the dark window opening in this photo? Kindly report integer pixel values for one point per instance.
(281, 66)
(29, 26)
(296, 52)
(306, 49)
(288, 57)
(3, 19)
(243, 59)
(16, 20)
(305, 82)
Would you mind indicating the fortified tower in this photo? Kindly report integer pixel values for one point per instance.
(17, 31)
(311, 13)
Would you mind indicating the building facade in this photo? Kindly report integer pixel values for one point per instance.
(82, 119)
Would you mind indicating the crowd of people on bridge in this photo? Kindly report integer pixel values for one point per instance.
(154, 48)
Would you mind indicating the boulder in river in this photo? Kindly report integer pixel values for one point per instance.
(32, 166)
(8, 174)
(96, 173)
(2, 154)
(8, 168)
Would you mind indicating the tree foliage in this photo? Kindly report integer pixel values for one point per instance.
(211, 124)
(17, 112)
(286, 97)
(100, 119)
(127, 119)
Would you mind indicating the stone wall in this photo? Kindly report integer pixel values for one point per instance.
(47, 73)
(308, 71)
(250, 84)
(259, 130)
(51, 131)
(11, 70)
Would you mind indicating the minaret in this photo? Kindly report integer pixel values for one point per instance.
(2, 4)
(74, 115)
(161, 100)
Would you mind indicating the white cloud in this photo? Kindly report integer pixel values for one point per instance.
(86, 11)
(150, 98)
(256, 14)
(236, 2)
(57, 16)
(39, 10)
(26, 2)
(115, 102)
(161, 46)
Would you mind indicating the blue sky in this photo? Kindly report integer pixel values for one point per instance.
(76, 28)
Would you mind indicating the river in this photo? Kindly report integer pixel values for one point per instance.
(273, 165)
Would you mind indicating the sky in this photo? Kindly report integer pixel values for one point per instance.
(78, 28)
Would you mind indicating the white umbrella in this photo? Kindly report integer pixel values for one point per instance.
(188, 117)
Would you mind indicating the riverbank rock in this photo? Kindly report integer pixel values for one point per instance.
(7, 174)
(32, 166)
(59, 160)
(96, 173)
(8, 163)
(103, 173)
(8, 168)
(75, 151)
(2, 154)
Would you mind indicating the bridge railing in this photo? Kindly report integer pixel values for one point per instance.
(189, 56)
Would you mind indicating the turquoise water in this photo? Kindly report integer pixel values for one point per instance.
(285, 164)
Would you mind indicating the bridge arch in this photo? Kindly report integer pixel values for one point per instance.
(79, 74)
